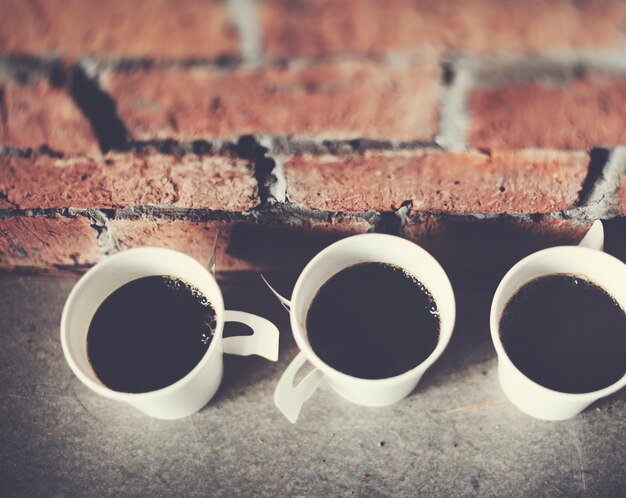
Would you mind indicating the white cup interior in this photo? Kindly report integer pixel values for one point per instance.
(103, 279)
(600, 268)
(379, 248)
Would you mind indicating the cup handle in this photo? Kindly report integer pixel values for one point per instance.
(262, 342)
(594, 238)
(289, 398)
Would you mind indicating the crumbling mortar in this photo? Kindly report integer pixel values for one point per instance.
(296, 214)
(454, 119)
(99, 221)
(246, 20)
(27, 152)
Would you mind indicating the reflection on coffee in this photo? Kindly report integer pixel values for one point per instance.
(373, 321)
(149, 333)
(565, 333)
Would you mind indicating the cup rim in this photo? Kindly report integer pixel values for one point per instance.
(86, 279)
(494, 322)
(298, 333)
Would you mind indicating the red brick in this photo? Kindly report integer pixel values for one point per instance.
(39, 242)
(191, 237)
(121, 180)
(140, 28)
(39, 114)
(579, 114)
(323, 27)
(336, 100)
(242, 246)
(489, 244)
(5, 203)
(526, 182)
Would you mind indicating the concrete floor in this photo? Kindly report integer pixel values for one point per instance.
(456, 435)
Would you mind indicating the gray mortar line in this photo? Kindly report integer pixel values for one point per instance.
(101, 64)
(553, 68)
(454, 118)
(321, 146)
(277, 188)
(27, 152)
(26, 69)
(282, 147)
(244, 15)
(498, 69)
(602, 203)
(100, 224)
(288, 212)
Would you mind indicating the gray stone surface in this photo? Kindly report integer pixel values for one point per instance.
(456, 435)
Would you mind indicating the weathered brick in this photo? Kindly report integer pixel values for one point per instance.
(335, 100)
(194, 238)
(242, 246)
(580, 113)
(39, 242)
(525, 182)
(5, 203)
(120, 180)
(40, 114)
(141, 28)
(489, 244)
(324, 27)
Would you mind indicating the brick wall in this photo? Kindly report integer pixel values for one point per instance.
(483, 130)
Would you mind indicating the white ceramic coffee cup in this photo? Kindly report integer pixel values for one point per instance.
(363, 248)
(586, 260)
(193, 391)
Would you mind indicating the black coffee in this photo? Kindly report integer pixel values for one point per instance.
(149, 333)
(566, 334)
(373, 321)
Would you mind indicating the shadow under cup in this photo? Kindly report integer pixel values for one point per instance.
(604, 270)
(373, 248)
